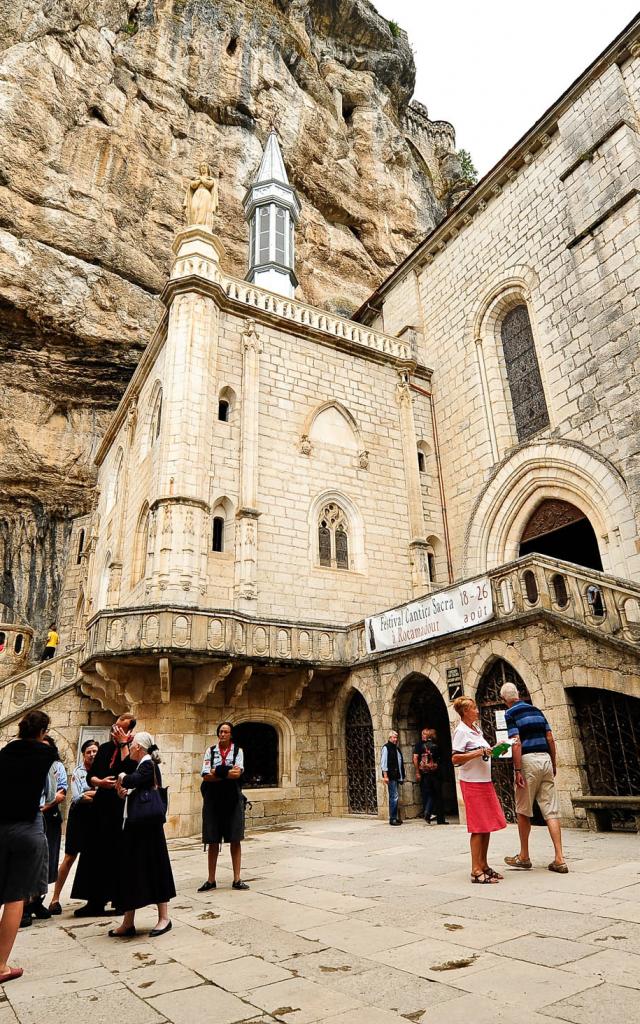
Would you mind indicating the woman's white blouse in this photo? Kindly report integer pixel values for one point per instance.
(466, 739)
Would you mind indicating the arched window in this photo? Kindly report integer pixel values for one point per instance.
(523, 373)
(141, 546)
(422, 462)
(156, 419)
(260, 747)
(218, 534)
(223, 410)
(226, 404)
(117, 480)
(333, 537)
(19, 643)
(80, 547)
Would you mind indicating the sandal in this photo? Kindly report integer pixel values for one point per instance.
(12, 975)
(494, 874)
(483, 878)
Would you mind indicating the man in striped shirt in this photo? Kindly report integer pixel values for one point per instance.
(534, 764)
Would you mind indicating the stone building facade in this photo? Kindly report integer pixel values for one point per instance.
(275, 474)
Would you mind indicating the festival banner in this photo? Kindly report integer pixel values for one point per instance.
(446, 611)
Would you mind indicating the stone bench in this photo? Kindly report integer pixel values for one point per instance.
(599, 809)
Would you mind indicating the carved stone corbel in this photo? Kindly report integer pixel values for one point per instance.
(206, 679)
(237, 683)
(299, 683)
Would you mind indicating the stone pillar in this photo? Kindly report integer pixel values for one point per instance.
(246, 564)
(420, 580)
(115, 573)
(180, 512)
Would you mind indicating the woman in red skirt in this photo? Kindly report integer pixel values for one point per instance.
(472, 755)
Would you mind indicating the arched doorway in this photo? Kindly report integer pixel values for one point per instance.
(361, 760)
(561, 530)
(419, 705)
(489, 702)
(609, 728)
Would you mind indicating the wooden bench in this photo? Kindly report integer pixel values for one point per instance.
(599, 809)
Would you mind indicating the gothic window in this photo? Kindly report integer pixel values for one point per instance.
(80, 547)
(141, 545)
(263, 234)
(281, 223)
(523, 373)
(156, 419)
(223, 410)
(333, 537)
(259, 744)
(218, 534)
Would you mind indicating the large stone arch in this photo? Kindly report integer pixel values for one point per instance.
(540, 470)
(489, 652)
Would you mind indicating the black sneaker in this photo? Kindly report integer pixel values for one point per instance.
(239, 884)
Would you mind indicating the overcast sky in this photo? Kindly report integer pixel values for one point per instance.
(493, 67)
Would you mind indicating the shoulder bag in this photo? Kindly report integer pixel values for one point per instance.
(145, 806)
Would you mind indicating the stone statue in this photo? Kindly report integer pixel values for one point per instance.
(201, 198)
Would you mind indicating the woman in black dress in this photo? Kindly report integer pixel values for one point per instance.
(143, 873)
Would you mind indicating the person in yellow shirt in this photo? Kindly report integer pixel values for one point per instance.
(52, 642)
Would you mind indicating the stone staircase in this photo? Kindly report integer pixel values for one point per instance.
(37, 685)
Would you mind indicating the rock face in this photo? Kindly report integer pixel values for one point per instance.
(106, 108)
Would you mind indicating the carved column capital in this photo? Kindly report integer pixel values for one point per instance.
(251, 341)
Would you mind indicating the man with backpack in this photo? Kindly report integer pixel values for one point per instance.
(426, 761)
(223, 804)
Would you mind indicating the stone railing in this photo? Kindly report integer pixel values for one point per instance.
(225, 633)
(38, 684)
(607, 605)
(338, 327)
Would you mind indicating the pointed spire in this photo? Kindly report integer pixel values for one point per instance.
(272, 165)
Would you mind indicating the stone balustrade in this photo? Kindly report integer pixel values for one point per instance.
(533, 584)
(37, 685)
(338, 327)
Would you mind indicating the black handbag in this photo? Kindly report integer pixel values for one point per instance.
(148, 805)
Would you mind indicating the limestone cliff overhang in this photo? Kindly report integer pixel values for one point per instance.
(534, 142)
(288, 316)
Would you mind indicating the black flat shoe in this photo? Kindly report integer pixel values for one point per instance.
(128, 933)
(161, 931)
(39, 910)
(55, 908)
(206, 886)
(239, 884)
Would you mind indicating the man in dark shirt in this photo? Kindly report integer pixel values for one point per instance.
(534, 764)
(426, 761)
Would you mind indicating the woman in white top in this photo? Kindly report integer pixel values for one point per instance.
(472, 755)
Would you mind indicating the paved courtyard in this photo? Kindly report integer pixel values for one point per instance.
(353, 922)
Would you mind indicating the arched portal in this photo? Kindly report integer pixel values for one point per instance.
(419, 705)
(490, 705)
(609, 729)
(361, 761)
(561, 530)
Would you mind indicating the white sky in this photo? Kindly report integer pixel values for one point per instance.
(492, 67)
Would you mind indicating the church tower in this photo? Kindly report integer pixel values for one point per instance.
(272, 210)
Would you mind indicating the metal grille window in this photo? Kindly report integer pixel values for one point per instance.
(260, 747)
(333, 537)
(361, 762)
(523, 373)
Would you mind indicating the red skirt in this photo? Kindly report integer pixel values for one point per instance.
(484, 813)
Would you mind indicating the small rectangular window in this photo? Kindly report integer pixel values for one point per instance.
(280, 235)
(263, 237)
(218, 534)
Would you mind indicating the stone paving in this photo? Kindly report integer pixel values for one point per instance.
(353, 922)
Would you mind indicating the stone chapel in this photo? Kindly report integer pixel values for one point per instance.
(276, 475)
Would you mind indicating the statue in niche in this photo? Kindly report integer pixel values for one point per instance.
(201, 198)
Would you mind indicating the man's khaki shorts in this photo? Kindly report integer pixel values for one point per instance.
(538, 774)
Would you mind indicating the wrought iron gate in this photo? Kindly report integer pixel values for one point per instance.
(489, 701)
(361, 762)
(609, 727)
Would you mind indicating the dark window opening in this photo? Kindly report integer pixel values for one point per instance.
(342, 549)
(523, 373)
(3, 637)
(347, 113)
(259, 744)
(232, 46)
(324, 543)
(80, 547)
(595, 601)
(560, 590)
(530, 586)
(422, 462)
(559, 529)
(218, 534)
(431, 562)
(19, 644)
(223, 410)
